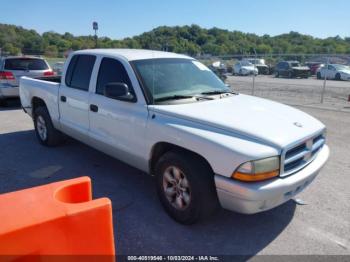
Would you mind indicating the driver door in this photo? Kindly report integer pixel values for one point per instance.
(117, 127)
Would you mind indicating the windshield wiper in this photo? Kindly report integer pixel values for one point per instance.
(217, 92)
(174, 97)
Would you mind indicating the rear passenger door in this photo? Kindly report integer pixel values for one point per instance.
(331, 72)
(117, 126)
(74, 97)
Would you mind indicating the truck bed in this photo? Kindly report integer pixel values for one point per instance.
(44, 88)
(55, 79)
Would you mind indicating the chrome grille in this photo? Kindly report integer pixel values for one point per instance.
(298, 156)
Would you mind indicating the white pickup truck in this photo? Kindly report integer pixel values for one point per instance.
(170, 116)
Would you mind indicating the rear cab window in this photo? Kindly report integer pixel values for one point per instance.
(24, 64)
(79, 72)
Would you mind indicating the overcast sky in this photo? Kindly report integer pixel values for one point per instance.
(122, 18)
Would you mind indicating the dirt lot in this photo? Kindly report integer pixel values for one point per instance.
(322, 226)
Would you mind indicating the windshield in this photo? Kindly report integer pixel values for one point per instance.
(177, 77)
(25, 64)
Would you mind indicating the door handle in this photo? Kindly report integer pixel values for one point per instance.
(63, 99)
(94, 108)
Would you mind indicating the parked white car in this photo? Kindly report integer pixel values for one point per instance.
(334, 71)
(263, 69)
(245, 68)
(170, 116)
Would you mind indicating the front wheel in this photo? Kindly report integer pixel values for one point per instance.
(338, 77)
(185, 186)
(44, 129)
(3, 102)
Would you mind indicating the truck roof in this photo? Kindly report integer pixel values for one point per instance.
(133, 54)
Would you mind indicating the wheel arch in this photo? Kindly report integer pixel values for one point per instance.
(36, 103)
(161, 148)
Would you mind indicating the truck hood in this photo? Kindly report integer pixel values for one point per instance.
(255, 118)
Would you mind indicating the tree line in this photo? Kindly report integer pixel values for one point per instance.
(192, 40)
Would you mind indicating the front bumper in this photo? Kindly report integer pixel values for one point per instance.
(251, 198)
(9, 91)
(300, 73)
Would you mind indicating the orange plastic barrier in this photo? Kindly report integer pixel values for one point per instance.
(56, 219)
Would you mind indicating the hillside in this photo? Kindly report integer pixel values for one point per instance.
(191, 40)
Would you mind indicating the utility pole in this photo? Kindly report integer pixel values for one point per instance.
(325, 78)
(255, 58)
(95, 27)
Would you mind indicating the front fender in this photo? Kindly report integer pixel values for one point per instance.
(223, 150)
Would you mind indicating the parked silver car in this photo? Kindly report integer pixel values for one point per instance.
(244, 68)
(13, 68)
(58, 68)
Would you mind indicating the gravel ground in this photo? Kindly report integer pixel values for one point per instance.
(322, 226)
(305, 92)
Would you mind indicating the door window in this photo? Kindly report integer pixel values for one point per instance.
(112, 71)
(79, 72)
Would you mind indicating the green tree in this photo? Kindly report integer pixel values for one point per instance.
(51, 51)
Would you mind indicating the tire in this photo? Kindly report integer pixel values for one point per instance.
(190, 184)
(338, 77)
(3, 102)
(277, 74)
(46, 133)
(319, 75)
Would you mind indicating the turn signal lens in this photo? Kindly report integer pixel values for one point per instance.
(255, 177)
(258, 170)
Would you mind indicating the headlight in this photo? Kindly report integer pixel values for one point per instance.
(258, 170)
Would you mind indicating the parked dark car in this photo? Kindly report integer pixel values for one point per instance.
(291, 69)
(314, 66)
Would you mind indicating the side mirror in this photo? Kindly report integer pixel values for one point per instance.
(118, 91)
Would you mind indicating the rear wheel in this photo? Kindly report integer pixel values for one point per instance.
(44, 129)
(185, 186)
